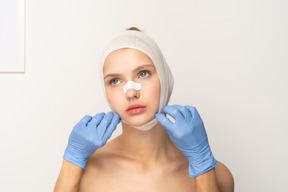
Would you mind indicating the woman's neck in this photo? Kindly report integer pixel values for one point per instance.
(147, 146)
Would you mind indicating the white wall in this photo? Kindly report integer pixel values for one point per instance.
(232, 54)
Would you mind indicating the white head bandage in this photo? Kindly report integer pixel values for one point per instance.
(142, 42)
(131, 84)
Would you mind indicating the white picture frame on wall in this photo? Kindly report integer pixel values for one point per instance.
(12, 36)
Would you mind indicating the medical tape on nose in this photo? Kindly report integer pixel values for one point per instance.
(131, 84)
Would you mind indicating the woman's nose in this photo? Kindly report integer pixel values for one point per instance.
(132, 93)
(131, 89)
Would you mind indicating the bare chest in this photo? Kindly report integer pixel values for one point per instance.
(135, 179)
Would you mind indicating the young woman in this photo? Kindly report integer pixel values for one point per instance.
(153, 153)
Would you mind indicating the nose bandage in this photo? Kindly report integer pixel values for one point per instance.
(131, 84)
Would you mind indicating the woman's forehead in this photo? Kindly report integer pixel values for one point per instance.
(125, 59)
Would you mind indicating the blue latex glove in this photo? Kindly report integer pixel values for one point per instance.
(189, 135)
(88, 135)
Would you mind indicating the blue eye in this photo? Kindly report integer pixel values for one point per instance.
(144, 72)
(112, 82)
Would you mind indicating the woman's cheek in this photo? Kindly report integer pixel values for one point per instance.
(114, 98)
(156, 92)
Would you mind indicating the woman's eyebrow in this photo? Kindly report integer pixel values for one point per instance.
(135, 70)
(143, 67)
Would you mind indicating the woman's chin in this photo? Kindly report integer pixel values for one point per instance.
(132, 123)
(137, 122)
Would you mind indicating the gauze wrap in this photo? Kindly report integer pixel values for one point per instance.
(140, 41)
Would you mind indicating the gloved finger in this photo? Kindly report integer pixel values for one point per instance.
(173, 112)
(105, 122)
(193, 111)
(184, 111)
(167, 124)
(94, 122)
(85, 119)
(163, 120)
(98, 117)
(115, 121)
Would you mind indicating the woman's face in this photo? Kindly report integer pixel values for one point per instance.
(132, 65)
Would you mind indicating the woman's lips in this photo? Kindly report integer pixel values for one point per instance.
(136, 109)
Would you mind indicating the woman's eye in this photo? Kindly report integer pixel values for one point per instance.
(113, 81)
(144, 74)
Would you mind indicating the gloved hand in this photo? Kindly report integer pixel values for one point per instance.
(88, 135)
(189, 135)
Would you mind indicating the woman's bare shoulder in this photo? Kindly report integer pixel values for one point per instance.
(224, 178)
(98, 167)
(104, 154)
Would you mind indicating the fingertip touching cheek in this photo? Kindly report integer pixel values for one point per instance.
(134, 71)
